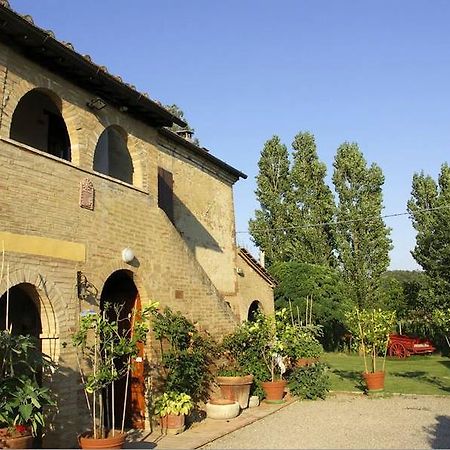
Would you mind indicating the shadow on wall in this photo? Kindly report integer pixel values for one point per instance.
(439, 434)
(192, 231)
(63, 429)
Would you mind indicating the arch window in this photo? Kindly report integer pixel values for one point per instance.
(37, 122)
(253, 310)
(111, 156)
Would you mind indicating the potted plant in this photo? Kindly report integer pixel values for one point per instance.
(266, 334)
(371, 329)
(22, 398)
(233, 380)
(301, 344)
(107, 347)
(172, 408)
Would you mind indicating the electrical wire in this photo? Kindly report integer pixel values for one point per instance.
(363, 219)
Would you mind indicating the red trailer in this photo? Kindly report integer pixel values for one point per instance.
(402, 346)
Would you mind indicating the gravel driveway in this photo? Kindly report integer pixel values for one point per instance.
(350, 422)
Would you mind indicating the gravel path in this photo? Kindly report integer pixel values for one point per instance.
(350, 422)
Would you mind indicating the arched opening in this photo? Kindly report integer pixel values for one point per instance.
(111, 156)
(253, 310)
(118, 299)
(37, 122)
(24, 311)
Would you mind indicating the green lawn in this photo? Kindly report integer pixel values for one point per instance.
(413, 375)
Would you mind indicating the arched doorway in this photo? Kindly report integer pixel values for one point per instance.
(253, 310)
(118, 299)
(23, 315)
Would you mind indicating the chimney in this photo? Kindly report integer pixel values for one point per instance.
(262, 258)
(186, 134)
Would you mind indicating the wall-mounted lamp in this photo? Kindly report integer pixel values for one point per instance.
(127, 255)
(96, 103)
(81, 285)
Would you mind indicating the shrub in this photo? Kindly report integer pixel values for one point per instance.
(310, 382)
(188, 360)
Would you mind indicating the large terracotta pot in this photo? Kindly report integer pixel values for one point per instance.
(236, 389)
(87, 441)
(172, 424)
(374, 381)
(274, 390)
(19, 442)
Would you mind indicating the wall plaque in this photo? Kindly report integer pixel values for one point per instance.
(87, 194)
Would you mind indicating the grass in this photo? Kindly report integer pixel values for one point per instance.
(412, 375)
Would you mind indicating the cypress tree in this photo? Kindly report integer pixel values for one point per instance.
(311, 204)
(268, 228)
(362, 237)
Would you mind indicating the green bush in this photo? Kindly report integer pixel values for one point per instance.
(310, 382)
(188, 360)
(299, 281)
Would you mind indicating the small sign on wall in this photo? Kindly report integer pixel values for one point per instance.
(87, 194)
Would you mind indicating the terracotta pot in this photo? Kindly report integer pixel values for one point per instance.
(236, 389)
(302, 362)
(19, 442)
(274, 390)
(87, 441)
(172, 424)
(374, 381)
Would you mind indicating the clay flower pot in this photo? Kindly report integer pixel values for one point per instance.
(236, 388)
(19, 442)
(22, 439)
(172, 423)
(302, 362)
(374, 381)
(87, 441)
(274, 390)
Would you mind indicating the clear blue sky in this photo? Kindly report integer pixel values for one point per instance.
(377, 73)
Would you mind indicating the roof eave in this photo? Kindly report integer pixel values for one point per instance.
(42, 47)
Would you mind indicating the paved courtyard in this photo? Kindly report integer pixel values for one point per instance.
(349, 422)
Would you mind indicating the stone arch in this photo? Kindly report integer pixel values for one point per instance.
(254, 307)
(68, 110)
(134, 146)
(51, 306)
(102, 276)
(111, 155)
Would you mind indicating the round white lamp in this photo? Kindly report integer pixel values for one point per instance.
(127, 255)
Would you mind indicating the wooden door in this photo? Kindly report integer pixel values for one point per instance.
(137, 386)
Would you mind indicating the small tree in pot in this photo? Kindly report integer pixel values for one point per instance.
(107, 347)
(371, 329)
(259, 349)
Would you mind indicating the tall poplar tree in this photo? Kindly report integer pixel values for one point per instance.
(432, 250)
(362, 237)
(311, 205)
(268, 228)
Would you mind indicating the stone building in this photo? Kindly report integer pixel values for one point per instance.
(100, 199)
